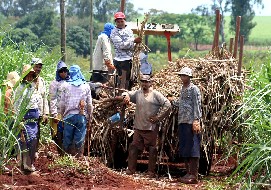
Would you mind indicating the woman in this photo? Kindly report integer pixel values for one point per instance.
(55, 90)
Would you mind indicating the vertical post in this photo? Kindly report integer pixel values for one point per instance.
(217, 28)
(167, 34)
(63, 30)
(122, 5)
(91, 35)
(240, 55)
(231, 44)
(237, 32)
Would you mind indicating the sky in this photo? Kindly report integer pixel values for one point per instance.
(185, 6)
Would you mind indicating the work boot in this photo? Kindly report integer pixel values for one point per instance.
(79, 152)
(132, 160)
(152, 161)
(187, 169)
(58, 140)
(193, 177)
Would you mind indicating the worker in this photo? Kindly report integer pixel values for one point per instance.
(151, 108)
(123, 41)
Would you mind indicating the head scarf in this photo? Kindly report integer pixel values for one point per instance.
(59, 66)
(108, 27)
(76, 77)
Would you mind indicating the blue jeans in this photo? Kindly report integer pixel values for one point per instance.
(74, 131)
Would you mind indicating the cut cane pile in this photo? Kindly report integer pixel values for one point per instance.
(221, 90)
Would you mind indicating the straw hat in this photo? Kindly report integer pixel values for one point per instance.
(12, 78)
(27, 69)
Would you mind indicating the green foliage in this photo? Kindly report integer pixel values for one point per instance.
(255, 114)
(78, 39)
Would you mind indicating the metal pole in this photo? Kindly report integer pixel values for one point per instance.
(91, 35)
(63, 30)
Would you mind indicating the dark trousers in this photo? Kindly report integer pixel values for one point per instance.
(126, 66)
(99, 76)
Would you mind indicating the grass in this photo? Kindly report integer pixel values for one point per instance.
(260, 34)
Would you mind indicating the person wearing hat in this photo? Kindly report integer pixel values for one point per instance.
(12, 78)
(123, 41)
(76, 108)
(55, 91)
(102, 56)
(41, 86)
(188, 124)
(151, 107)
(27, 103)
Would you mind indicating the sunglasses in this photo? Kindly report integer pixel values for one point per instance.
(63, 71)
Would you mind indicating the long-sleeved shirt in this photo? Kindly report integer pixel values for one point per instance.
(189, 104)
(154, 104)
(102, 52)
(123, 42)
(44, 107)
(71, 97)
(27, 97)
(55, 91)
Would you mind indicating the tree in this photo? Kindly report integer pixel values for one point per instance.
(243, 8)
(78, 39)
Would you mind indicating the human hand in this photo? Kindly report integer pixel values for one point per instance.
(126, 99)
(44, 119)
(138, 40)
(196, 128)
(153, 119)
(111, 67)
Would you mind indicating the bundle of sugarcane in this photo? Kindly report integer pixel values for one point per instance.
(139, 47)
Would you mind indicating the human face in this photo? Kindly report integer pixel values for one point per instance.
(185, 79)
(30, 76)
(120, 22)
(63, 73)
(37, 68)
(145, 85)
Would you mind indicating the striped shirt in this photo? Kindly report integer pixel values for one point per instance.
(71, 97)
(123, 42)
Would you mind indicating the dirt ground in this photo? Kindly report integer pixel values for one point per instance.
(91, 174)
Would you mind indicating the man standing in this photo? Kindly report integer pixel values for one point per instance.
(151, 107)
(76, 108)
(189, 127)
(41, 86)
(102, 56)
(123, 41)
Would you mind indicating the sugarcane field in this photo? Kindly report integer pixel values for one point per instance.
(99, 95)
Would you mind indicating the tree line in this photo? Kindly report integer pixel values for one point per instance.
(37, 22)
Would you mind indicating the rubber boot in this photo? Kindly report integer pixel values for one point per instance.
(58, 140)
(132, 160)
(79, 152)
(152, 161)
(194, 167)
(187, 169)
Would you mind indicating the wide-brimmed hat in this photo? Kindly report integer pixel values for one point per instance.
(145, 78)
(76, 77)
(185, 71)
(27, 69)
(36, 61)
(12, 78)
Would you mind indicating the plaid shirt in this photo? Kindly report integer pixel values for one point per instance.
(44, 105)
(123, 42)
(71, 97)
(189, 104)
(55, 90)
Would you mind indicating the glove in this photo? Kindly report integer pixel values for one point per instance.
(196, 128)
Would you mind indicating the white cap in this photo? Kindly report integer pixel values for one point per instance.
(185, 71)
(36, 61)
